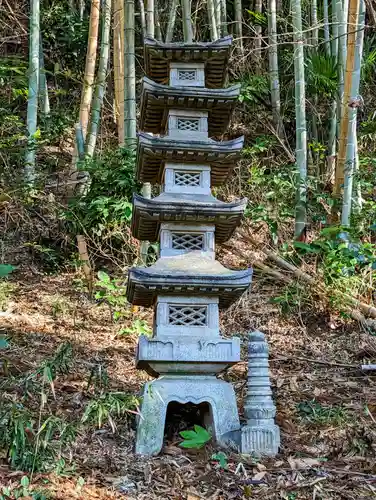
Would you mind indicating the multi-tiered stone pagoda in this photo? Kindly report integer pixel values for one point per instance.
(184, 105)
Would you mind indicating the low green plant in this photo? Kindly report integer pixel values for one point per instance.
(138, 327)
(21, 491)
(195, 438)
(347, 263)
(106, 407)
(32, 445)
(113, 292)
(6, 291)
(6, 270)
(221, 459)
(314, 413)
(293, 298)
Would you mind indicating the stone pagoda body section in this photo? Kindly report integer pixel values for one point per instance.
(185, 104)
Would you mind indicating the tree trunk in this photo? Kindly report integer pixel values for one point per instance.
(171, 20)
(187, 21)
(32, 97)
(344, 124)
(351, 133)
(300, 114)
(119, 67)
(92, 134)
(273, 66)
(130, 75)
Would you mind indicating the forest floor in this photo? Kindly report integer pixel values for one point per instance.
(326, 407)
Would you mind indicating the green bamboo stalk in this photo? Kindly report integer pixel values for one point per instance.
(187, 20)
(218, 21)
(342, 51)
(80, 141)
(239, 23)
(93, 129)
(273, 66)
(314, 24)
(43, 88)
(334, 41)
(224, 30)
(130, 76)
(32, 96)
(171, 20)
(344, 124)
(212, 21)
(332, 143)
(150, 24)
(300, 117)
(143, 18)
(326, 28)
(258, 39)
(351, 149)
(158, 30)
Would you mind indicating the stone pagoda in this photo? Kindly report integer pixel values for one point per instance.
(185, 104)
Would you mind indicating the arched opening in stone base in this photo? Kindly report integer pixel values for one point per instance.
(181, 417)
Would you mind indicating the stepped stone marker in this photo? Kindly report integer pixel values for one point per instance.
(183, 105)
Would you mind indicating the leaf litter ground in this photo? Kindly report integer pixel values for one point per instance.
(326, 411)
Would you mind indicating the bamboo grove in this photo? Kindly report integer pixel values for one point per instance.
(317, 45)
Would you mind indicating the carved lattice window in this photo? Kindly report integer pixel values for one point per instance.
(189, 124)
(187, 315)
(187, 75)
(191, 179)
(188, 241)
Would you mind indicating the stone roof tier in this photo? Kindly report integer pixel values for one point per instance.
(191, 274)
(153, 152)
(157, 99)
(170, 207)
(214, 55)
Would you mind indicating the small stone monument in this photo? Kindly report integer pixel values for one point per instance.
(182, 107)
(260, 436)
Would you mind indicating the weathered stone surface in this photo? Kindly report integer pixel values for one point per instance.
(157, 100)
(189, 124)
(186, 316)
(187, 74)
(154, 152)
(190, 273)
(186, 355)
(223, 417)
(158, 57)
(179, 239)
(172, 207)
(260, 436)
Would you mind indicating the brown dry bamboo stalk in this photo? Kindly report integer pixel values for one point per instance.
(344, 125)
(85, 261)
(91, 56)
(119, 68)
(87, 87)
